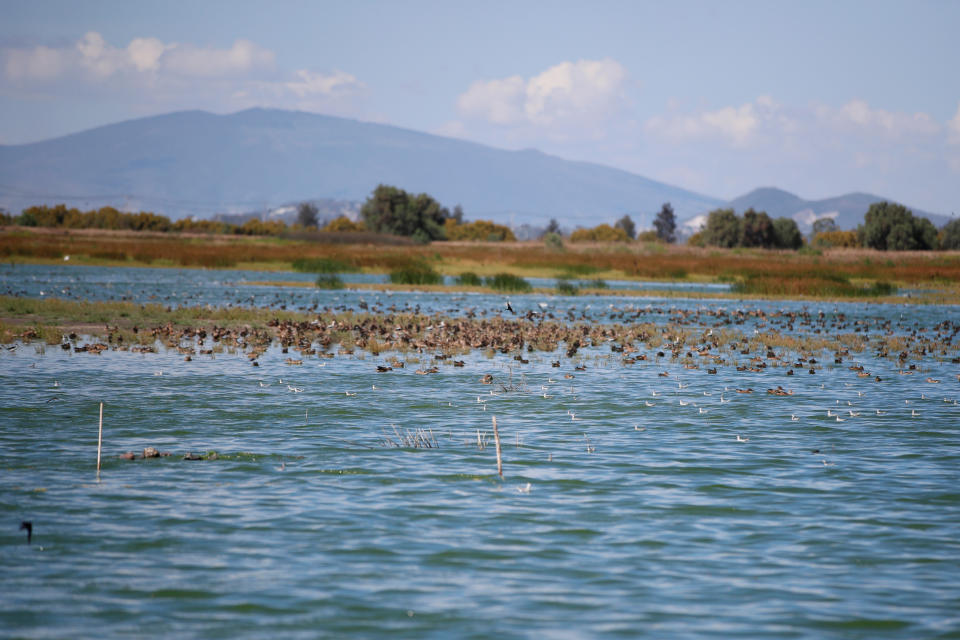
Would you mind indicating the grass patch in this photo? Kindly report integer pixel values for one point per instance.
(816, 284)
(508, 282)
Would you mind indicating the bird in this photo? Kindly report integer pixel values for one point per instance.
(649, 404)
(881, 413)
(793, 417)
(26, 524)
(702, 410)
(739, 439)
(913, 413)
(637, 427)
(509, 308)
(839, 419)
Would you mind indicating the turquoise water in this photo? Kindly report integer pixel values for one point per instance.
(632, 505)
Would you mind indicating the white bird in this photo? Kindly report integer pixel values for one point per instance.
(830, 414)
(350, 394)
(655, 394)
(793, 417)
(839, 419)
(524, 489)
(853, 414)
(708, 393)
(913, 412)
(739, 439)
(881, 413)
(295, 389)
(722, 400)
(827, 464)
(702, 410)
(637, 428)
(649, 404)
(260, 382)
(683, 404)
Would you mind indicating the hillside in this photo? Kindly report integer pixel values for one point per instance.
(846, 210)
(197, 163)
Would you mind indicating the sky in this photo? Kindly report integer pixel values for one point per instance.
(817, 98)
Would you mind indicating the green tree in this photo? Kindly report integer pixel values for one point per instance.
(756, 229)
(307, 215)
(722, 228)
(626, 225)
(394, 211)
(950, 235)
(824, 225)
(888, 226)
(787, 234)
(666, 224)
(553, 227)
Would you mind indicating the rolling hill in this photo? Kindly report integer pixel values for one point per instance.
(196, 163)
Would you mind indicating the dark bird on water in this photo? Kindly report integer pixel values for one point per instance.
(509, 308)
(26, 524)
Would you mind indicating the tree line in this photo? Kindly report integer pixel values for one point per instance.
(390, 210)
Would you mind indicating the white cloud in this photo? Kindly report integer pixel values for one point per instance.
(243, 57)
(497, 101)
(309, 83)
(145, 53)
(859, 118)
(953, 128)
(98, 59)
(562, 98)
(738, 126)
(178, 75)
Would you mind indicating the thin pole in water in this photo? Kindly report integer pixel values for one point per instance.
(496, 437)
(100, 440)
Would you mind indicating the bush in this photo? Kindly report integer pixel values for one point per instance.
(567, 288)
(478, 230)
(321, 265)
(470, 279)
(600, 233)
(415, 274)
(330, 281)
(343, 224)
(508, 282)
(836, 239)
(553, 240)
(596, 283)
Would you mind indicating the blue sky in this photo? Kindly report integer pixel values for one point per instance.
(819, 98)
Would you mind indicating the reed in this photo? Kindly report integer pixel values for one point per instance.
(496, 439)
(100, 440)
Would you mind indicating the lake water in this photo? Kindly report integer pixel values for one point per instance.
(632, 505)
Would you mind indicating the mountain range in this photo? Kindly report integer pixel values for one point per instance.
(194, 163)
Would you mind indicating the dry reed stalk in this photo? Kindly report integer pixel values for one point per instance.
(100, 439)
(496, 437)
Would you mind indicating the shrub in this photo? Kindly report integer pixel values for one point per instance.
(567, 288)
(478, 230)
(415, 274)
(600, 233)
(343, 224)
(836, 239)
(553, 240)
(330, 281)
(470, 279)
(508, 282)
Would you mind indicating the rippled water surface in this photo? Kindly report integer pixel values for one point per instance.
(633, 504)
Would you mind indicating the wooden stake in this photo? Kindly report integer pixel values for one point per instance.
(496, 437)
(100, 439)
